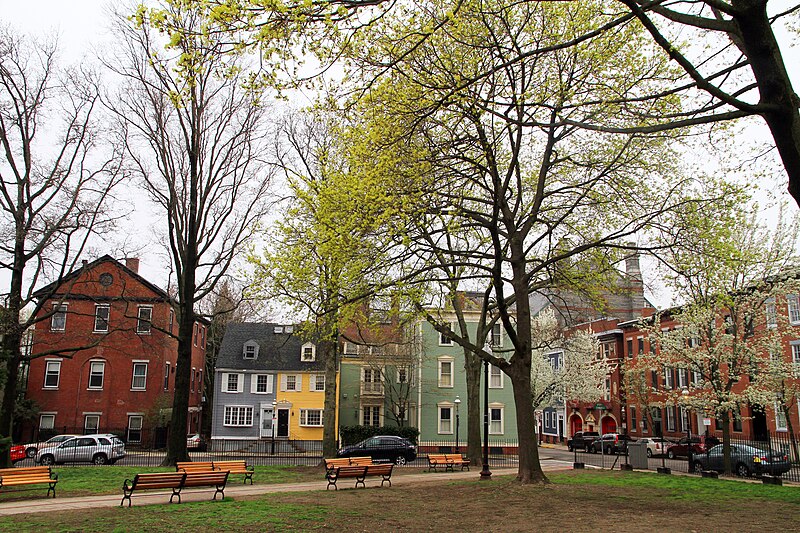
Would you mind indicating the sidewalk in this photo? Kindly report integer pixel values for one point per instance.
(45, 505)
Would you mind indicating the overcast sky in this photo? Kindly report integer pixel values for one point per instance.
(82, 26)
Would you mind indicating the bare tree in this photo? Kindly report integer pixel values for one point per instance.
(194, 130)
(55, 182)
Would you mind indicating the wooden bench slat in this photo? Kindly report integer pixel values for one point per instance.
(32, 475)
(236, 467)
(176, 481)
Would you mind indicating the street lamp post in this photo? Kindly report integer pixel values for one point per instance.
(457, 402)
(274, 406)
(486, 474)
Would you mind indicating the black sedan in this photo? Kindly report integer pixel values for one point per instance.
(382, 448)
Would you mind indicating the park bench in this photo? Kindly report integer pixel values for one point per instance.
(339, 472)
(384, 470)
(447, 461)
(236, 467)
(360, 461)
(34, 475)
(194, 466)
(175, 481)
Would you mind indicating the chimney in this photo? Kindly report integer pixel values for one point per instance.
(132, 263)
(632, 267)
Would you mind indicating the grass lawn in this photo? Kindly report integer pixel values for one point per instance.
(575, 501)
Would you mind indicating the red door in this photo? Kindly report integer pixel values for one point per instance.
(576, 424)
(609, 425)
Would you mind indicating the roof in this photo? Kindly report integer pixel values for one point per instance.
(51, 289)
(276, 351)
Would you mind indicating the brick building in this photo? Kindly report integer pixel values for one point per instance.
(104, 359)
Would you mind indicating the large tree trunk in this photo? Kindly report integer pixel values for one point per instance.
(472, 368)
(774, 84)
(10, 338)
(176, 442)
(330, 351)
(530, 470)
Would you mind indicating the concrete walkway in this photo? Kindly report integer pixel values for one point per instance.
(235, 490)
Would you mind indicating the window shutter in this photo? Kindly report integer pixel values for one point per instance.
(299, 383)
(253, 382)
(224, 386)
(240, 383)
(283, 382)
(270, 379)
(312, 382)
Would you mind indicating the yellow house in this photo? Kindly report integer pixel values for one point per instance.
(300, 402)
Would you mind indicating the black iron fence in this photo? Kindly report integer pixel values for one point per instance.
(775, 454)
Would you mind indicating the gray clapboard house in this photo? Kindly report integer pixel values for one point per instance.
(262, 369)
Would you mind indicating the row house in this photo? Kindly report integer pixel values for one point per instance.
(270, 385)
(748, 421)
(104, 355)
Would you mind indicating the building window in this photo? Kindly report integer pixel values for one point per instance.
(52, 373)
(796, 358)
(495, 377)
(203, 337)
(630, 347)
(291, 383)
(403, 375)
(311, 417)
(139, 376)
(497, 335)
(47, 421)
(654, 379)
(668, 378)
(171, 320)
(495, 420)
(780, 418)
(609, 350)
(250, 350)
(444, 340)
(101, 315)
(166, 376)
(793, 308)
(445, 372)
(683, 378)
(231, 383)
(238, 416)
(194, 375)
(318, 382)
(670, 418)
(194, 335)
(135, 428)
(307, 354)
(737, 419)
(445, 420)
(632, 412)
(91, 423)
(263, 383)
(770, 313)
(640, 348)
(607, 389)
(144, 320)
(371, 415)
(58, 322)
(97, 370)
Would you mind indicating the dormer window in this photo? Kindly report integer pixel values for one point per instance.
(308, 353)
(250, 350)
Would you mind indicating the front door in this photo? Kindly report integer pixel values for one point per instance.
(266, 423)
(282, 430)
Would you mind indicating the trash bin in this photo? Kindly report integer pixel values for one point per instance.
(637, 455)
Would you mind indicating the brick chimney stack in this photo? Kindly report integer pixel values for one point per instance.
(132, 263)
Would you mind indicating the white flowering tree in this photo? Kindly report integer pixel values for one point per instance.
(579, 375)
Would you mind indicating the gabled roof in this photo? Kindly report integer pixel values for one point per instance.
(276, 351)
(52, 289)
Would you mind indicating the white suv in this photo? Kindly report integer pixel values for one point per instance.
(99, 449)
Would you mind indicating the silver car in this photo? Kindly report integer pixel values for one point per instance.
(98, 449)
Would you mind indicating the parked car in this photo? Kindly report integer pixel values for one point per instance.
(195, 442)
(382, 447)
(655, 445)
(99, 449)
(32, 449)
(610, 443)
(18, 453)
(745, 460)
(681, 448)
(581, 440)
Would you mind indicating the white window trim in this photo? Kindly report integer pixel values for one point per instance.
(303, 353)
(502, 409)
(254, 383)
(140, 416)
(492, 374)
(789, 299)
(58, 380)
(500, 335)
(304, 418)
(246, 355)
(779, 415)
(49, 414)
(298, 381)
(451, 360)
(103, 375)
(239, 383)
(380, 414)
(97, 307)
(771, 313)
(139, 321)
(442, 340)
(439, 407)
(409, 375)
(146, 364)
(312, 386)
(59, 308)
(238, 407)
(86, 417)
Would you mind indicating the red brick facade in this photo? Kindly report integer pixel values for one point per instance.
(106, 362)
